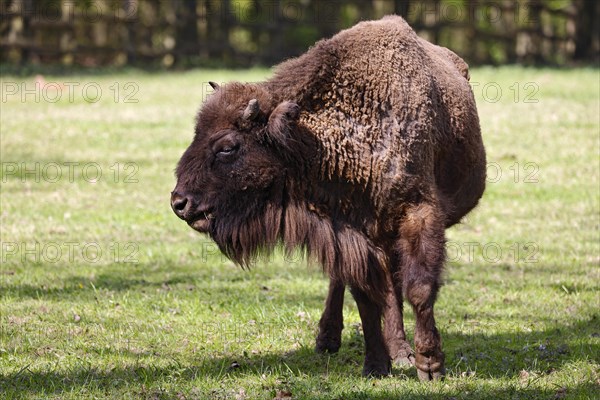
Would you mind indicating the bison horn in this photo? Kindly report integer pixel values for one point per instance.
(251, 110)
(214, 85)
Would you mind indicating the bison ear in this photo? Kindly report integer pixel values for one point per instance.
(214, 85)
(280, 120)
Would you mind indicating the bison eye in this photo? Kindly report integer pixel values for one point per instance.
(227, 151)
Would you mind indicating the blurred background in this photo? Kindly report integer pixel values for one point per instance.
(241, 33)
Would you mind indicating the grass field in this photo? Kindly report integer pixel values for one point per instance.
(104, 293)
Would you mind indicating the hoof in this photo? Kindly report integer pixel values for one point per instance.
(372, 370)
(404, 360)
(430, 366)
(403, 355)
(430, 375)
(328, 345)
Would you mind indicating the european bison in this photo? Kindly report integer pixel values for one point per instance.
(361, 151)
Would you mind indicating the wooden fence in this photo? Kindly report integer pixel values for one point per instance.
(248, 32)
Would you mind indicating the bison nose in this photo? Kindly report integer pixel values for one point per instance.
(180, 204)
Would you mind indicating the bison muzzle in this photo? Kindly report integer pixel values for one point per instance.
(362, 152)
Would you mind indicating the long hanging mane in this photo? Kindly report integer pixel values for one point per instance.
(345, 254)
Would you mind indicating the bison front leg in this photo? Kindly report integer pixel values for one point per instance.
(377, 358)
(421, 249)
(331, 324)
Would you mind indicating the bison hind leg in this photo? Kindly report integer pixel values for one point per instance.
(421, 250)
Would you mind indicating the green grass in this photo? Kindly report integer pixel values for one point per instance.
(120, 299)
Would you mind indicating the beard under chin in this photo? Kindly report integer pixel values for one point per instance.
(243, 237)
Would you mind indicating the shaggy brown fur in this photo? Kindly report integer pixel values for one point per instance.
(361, 151)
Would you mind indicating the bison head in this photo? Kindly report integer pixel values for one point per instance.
(231, 179)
